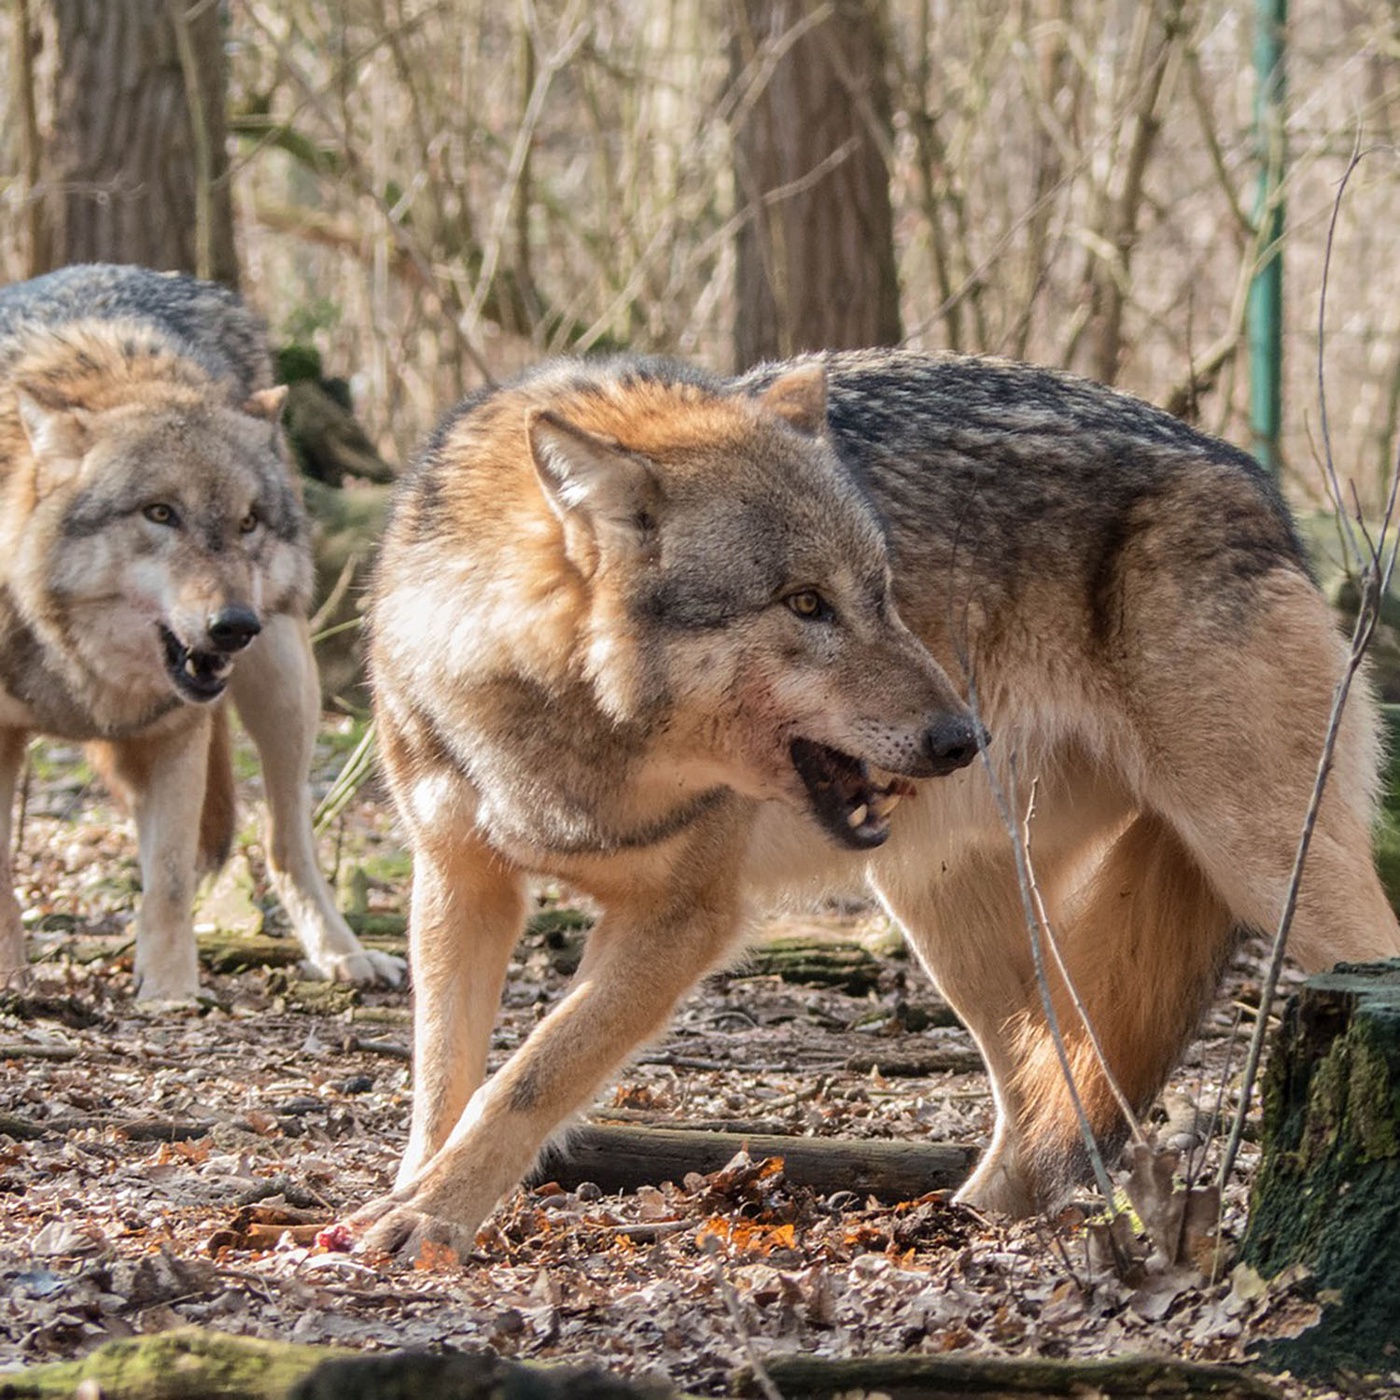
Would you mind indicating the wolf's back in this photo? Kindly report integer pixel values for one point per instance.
(207, 323)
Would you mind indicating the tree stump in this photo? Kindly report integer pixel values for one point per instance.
(1328, 1192)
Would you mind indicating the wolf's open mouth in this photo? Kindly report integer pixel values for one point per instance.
(851, 804)
(198, 675)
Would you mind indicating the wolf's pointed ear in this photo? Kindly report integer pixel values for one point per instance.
(799, 397)
(58, 433)
(266, 403)
(589, 480)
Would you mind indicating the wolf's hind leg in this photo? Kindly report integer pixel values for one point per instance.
(13, 967)
(274, 687)
(1144, 938)
(1236, 769)
(1139, 930)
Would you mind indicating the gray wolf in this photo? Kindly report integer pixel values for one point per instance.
(689, 644)
(154, 559)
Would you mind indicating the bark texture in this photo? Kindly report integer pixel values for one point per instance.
(131, 167)
(1328, 1194)
(815, 253)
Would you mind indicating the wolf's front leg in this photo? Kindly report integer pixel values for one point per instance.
(643, 956)
(14, 969)
(166, 774)
(467, 913)
(274, 687)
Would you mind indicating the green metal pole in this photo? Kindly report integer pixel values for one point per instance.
(1266, 290)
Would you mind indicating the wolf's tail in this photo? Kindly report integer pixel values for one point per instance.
(1145, 940)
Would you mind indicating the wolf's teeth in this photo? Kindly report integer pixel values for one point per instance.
(857, 816)
(190, 668)
(883, 805)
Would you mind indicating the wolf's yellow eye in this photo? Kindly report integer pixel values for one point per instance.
(810, 604)
(159, 514)
(249, 523)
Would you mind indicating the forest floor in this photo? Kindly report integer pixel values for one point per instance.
(182, 1167)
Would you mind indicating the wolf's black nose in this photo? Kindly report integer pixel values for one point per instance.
(951, 743)
(231, 629)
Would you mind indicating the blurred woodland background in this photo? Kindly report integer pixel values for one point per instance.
(434, 192)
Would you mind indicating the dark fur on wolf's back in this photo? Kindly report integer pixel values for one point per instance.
(690, 644)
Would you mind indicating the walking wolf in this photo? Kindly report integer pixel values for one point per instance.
(686, 643)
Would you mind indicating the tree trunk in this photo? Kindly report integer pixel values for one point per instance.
(1328, 1193)
(815, 250)
(130, 119)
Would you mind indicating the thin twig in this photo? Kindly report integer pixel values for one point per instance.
(1005, 803)
(1325, 422)
(336, 596)
(347, 783)
(181, 21)
(1124, 1106)
(736, 1316)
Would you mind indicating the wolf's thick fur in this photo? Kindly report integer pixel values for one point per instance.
(150, 531)
(640, 630)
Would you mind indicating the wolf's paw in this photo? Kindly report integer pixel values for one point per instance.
(388, 1226)
(365, 967)
(158, 992)
(996, 1189)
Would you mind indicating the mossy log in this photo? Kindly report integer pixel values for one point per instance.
(1328, 1192)
(190, 1364)
(618, 1157)
(224, 951)
(1029, 1377)
(842, 964)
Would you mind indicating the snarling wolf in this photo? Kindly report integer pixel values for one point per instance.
(154, 557)
(687, 644)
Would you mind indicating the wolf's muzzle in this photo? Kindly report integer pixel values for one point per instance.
(232, 628)
(951, 743)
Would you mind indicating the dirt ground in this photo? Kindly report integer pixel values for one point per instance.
(185, 1167)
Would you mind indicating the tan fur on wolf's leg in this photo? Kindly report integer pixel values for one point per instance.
(640, 961)
(1235, 741)
(467, 913)
(14, 968)
(274, 687)
(164, 775)
(1145, 939)
(966, 924)
(1238, 769)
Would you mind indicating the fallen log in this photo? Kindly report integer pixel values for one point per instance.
(188, 1363)
(1327, 1196)
(133, 1129)
(893, 1062)
(620, 1157)
(954, 1377)
(840, 964)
